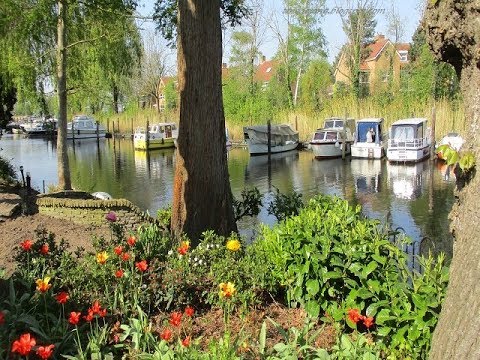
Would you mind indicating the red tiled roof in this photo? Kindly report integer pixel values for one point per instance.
(376, 47)
(402, 46)
(265, 70)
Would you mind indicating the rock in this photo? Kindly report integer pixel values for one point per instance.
(10, 205)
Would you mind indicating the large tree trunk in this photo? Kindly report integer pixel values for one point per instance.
(202, 197)
(62, 155)
(454, 35)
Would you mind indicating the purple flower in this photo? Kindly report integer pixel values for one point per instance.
(111, 216)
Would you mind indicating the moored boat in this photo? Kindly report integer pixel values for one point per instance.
(159, 136)
(84, 127)
(369, 141)
(282, 138)
(409, 141)
(333, 140)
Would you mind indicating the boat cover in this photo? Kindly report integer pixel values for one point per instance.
(279, 134)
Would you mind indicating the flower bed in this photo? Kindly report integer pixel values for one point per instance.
(345, 289)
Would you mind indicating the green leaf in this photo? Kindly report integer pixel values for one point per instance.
(467, 162)
(312, 308)
(263, 337)
(313, 287)
(380, 259)
(332, 275)
(374, 285)
(383, 316)
(369, 269)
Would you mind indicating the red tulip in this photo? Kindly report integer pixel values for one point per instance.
(354, 315)
(125, 256)
(74, 318)
(368, 321)
(24, 344)
(131, 240)
(175, 318)
(166, 335)
(44, 352)
(186, 341)
(118, 250)
(44, 249)
(62, 297)
(2, 318)
(119, 273)
(26, 245)
(189, 311)
(142, 265)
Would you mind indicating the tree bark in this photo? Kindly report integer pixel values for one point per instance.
(202, 197)
(64, 182)
(454, 34)
(116, 93)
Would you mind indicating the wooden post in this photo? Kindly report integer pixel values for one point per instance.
(269, 134)
(296, 123)
(344, 143)
(108, 125)
(98, 135)
(131, 126)
(432, 134)
(118, 127)
(147, 136)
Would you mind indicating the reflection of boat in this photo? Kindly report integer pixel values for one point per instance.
(258, 167)
(369, 142)
(406, 180)
(84, 127)
(328, 142)
(366, 175)
(160, 136)
(155, 163)
(409, 140)
(454, 140)
(282, 138)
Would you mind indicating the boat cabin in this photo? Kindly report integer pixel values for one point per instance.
(324, 135)
(409, 133)
(369, 131)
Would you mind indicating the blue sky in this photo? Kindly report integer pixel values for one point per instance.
(409, 10)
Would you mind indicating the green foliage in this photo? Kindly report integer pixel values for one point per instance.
(465, 161)
(7, 172)
(249, 205)
(285, 205)
(315, 85)
(334, 260)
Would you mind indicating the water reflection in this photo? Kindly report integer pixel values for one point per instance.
(416, 198)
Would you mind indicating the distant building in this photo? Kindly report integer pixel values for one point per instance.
(162, 85)
(384, 60)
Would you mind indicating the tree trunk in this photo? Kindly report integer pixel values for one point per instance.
(454, 35)
(62, 155)
(202, 197)
(115, 97)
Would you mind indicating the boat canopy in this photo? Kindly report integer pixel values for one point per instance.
(279, 134)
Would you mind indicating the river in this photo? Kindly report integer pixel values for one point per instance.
(415, 199)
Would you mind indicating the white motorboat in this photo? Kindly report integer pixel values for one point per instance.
(334, 139)
(159, 136)
(33, 127)
(85, 127)
(409, 141)
(369, 141)
(282, 138)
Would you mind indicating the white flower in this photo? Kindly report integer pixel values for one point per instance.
(170, 252)
(200, 262)
(196, 259)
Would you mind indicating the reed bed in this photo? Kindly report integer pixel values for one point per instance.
(450, 116)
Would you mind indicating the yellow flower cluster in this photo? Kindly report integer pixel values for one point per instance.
(102, 257)
(233, 245)
(227, 290)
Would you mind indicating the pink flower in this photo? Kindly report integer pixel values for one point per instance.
(111, 216)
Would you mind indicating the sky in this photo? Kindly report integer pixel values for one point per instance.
(409, 11)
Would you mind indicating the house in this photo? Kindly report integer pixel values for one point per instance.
(161, 90)
(383, 60)
(265, 71)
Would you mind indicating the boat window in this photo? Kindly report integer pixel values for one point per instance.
(162, 129)
(173, 127)
(331, 135)
(319, 135)
(329, 124)
(363, 128)
(403, 133)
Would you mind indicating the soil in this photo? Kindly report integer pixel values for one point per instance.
(14, 231)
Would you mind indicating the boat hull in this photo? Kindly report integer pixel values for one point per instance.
(141, 144)
(367, 151)
(262, 149)
(85, 134)
(410, 155)
(328, 150)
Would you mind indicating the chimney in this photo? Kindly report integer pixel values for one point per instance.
(379, 37)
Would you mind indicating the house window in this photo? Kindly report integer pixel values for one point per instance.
(162, 96)
(403, 55)
(364, 77)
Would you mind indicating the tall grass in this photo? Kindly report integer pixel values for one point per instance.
(450, 116)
